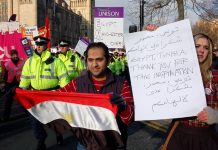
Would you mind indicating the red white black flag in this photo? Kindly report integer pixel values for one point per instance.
(92, 117)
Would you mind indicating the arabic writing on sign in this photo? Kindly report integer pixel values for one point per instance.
(164, 63)
(164, 66)
(173, 102)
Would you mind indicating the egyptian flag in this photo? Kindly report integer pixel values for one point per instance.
(91, 117)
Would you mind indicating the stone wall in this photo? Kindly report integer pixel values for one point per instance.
(64, 24)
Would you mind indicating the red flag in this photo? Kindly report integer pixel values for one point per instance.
(47, 30)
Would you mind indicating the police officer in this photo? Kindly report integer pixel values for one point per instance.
(71, 60)
(42, 71)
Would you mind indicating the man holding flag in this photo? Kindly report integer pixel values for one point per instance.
(98, 120)
(99, 79)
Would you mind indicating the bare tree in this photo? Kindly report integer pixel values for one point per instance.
(207, 10)
(162, 11)
(181, 12)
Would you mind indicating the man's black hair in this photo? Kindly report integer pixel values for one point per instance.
(13, 51)
(98, 45)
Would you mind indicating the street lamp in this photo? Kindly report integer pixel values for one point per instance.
(141, 14)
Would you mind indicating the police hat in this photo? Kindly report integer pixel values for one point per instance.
(64, 43)
(39, 40)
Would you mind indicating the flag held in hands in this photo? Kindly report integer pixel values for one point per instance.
(91, 117)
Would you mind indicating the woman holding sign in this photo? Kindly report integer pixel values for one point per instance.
(198, 133)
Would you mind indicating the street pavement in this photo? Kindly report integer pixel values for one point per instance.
(141, 137)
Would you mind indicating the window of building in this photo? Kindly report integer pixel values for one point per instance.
(25, 1)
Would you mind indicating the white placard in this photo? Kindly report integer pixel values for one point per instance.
(165, 74)
(31, 30)
(81, 46)
(109, 31)
(9, 26)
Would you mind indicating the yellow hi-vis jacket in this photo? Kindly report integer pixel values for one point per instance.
(40, 74)
(74, 66)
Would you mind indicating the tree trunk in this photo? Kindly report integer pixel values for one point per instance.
(180, 4)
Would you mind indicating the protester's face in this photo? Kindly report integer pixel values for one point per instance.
(40, 48)
(97, 63)
(202, 48)
(63, 49)
(14, 57)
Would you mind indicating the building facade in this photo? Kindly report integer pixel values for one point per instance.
(3, 10)
(64, 23)
(85, 9)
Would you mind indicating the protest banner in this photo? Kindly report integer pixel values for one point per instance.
(165, 73)
(8, 42)
(108, 26)
(42, 31)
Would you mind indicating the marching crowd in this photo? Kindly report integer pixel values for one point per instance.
(103, 71)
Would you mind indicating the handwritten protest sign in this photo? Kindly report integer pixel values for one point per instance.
(108, 26)
(164, 71)
(29, 32)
